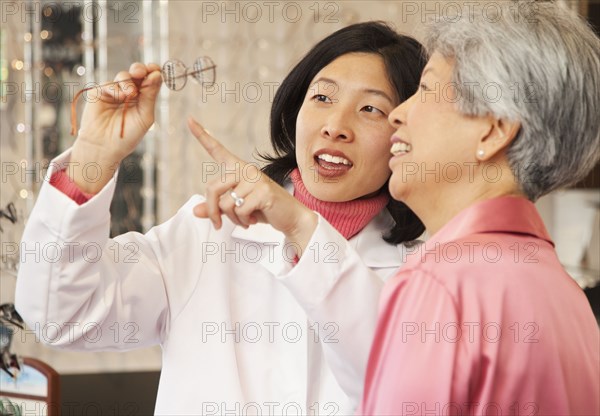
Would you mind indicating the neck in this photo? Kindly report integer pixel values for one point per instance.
(348, 217)
(443, 204)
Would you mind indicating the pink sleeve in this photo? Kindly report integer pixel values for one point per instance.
(414, 355)
(61, 181)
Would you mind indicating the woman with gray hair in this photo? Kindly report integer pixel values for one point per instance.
(483, 319)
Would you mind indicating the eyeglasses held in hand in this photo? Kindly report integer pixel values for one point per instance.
(174, 74)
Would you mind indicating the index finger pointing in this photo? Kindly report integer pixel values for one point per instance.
(214, 148)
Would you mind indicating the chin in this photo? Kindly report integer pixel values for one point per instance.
(397, 191)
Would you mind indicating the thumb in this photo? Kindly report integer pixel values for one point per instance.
(149, 91)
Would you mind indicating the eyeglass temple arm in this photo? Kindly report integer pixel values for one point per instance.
(80, 92)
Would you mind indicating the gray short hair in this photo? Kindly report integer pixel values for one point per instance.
(533, 62)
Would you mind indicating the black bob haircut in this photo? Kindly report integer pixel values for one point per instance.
(404, 59)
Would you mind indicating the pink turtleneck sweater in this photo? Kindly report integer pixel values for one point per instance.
(347, 217)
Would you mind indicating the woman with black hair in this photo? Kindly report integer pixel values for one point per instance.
(249, 315)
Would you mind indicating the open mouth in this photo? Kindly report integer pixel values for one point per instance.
(400, 148)
(332, 163)
(335, 160)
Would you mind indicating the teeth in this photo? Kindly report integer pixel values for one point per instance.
(400, 147)
(334, 159)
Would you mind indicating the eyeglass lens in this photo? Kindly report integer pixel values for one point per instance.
(175, 73)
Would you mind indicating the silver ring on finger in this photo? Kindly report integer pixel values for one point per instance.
(237, 200)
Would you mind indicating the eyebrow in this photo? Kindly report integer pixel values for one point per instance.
(367, 90)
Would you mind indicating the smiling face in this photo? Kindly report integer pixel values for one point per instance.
(434, 146)
(342, 133)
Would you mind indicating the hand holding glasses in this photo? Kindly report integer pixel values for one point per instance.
(174, 74)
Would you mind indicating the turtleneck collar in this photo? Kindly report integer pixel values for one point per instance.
(347, 217)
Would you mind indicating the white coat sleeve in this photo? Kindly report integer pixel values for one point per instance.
(340, 294)
(79, 289)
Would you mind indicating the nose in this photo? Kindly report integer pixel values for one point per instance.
(337, 126)
(398, 114)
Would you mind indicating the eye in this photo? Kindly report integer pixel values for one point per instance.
(371, 109)
(424, 87)
(321, 98)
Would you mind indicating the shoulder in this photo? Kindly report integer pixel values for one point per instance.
(486, 272)
(417, 293)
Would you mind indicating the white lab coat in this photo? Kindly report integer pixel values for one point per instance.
(242, 330)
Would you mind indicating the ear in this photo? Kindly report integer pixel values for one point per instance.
(500, 135)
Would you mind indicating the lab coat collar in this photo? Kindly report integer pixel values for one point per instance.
(371, 247)
(368, 243)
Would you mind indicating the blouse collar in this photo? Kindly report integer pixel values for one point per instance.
(507, 214)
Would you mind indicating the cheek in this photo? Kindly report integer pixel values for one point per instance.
(301, 137)
(378, 154)
(300, 148)
(381, 144)
(416, 118)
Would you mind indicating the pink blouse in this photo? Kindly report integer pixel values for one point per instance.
(483, 320)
